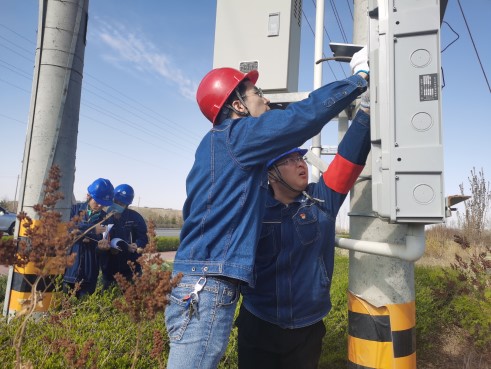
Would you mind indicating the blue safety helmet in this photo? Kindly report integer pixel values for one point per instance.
(124, 194)
(101, 190)
(296, 149)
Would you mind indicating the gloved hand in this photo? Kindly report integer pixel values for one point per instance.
(359, 61)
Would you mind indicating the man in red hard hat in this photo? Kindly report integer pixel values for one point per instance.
(227, 189)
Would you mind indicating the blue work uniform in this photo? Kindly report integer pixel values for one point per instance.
(85, 269)
(227, 185)
(295, 253)
(226, 194)
(280, 320)
(131, 228)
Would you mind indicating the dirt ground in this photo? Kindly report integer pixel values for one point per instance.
(455, 351)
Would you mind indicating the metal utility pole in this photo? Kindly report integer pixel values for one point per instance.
(53, 121)
(319, 45)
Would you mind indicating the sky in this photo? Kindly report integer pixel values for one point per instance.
(139, 121)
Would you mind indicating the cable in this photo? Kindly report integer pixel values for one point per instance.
(155, 115)
(473, 44)
(129, 107)
(349, 7)
(18, 34)
(446, 47)
(313, 33)
(338, 20)
(330, 40)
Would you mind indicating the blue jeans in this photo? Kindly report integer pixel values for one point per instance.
(199, 339)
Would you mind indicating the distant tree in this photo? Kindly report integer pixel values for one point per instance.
(3, 203)
(7, 204)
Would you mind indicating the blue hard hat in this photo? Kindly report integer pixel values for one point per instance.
(124, 194)
(296, 149)
(101, 190)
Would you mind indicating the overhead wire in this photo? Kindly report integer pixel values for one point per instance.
(338, 20)
(313, 33)
(138, 128)
(458, 36)
(474, 45)
(172, 141)
(330, 40)
(123, 98)
(349, 7)
(178, 134)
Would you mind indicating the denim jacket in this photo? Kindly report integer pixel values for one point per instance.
(295, 254)
(227, 185)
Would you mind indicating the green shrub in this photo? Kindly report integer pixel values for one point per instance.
(444, 302)
(3, 288)
(334, 345)
(431, 296)
(475, 317)
(167, 243)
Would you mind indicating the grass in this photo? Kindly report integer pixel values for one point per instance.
(453, 328)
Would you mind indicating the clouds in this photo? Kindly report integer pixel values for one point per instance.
(130, 50)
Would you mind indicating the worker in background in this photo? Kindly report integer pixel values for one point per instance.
(280, 320)
(226, 194)
(85, 269)
(129, 226)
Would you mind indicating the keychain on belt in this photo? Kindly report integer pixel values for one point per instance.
(193, 298)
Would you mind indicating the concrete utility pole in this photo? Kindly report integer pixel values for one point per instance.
(406, 57)
(382, 311)
(53, 120)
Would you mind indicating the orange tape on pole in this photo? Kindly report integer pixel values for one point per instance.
(381, 337)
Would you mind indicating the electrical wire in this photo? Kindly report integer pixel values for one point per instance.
(313, 33)
(473, 44)
(446, 47)
(170, 135)
(324, 56)
(349, 7)
(338, 20)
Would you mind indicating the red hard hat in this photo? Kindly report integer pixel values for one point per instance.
(216, 87)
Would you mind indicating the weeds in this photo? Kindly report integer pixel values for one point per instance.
(474, 219)
(146, 294)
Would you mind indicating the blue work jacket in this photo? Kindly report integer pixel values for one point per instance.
(85, 268)
(131, 228)
(227, 185)
(295, 254)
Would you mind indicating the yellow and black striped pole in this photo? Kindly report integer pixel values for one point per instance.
(30, 286)
(21, 289)
(381, 337)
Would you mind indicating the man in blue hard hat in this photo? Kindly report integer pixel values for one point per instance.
(85, 269)
(130, 229)
(280, 320)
